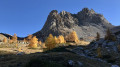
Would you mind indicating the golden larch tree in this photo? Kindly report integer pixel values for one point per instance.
(9, 38)
(10, 41)
(24, 40)
(5, 40)
(72, 37)
(14, 38)
(56, 40)
(39, 42)
(33, 42)
(29, 37)
(61, 39)
(50, 42)
(43, 45)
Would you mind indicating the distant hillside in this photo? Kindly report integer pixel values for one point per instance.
(2, 35)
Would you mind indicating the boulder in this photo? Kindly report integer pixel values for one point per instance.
(70, 63)
(114, 66)
(111, 43)
(20, 53)
(79, 64)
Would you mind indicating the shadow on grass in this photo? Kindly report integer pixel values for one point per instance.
(50, 58)
(59, 49)
(42, 63)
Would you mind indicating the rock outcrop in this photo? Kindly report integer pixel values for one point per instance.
(116, 30)
(86, 23)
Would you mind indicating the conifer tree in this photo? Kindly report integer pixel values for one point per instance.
(24, 40)
(33, 42)
(29, 38)
(110, 36)
(39, 42)
(43, 45)
(72, 37)
(61, 39)
(11, 41)
(14, 38)
(99, 52)
(97, 37)
(56, 40)
(50, 42)
(9, 38)
(5, 40)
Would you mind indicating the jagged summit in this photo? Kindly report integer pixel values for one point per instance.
(86, 10)
(86, 23)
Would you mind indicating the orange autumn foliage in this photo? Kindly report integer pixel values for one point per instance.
(39, 42)
(33, 42)
(14, 38)
(56, 40)
(43, 45)
(50, 42)
(72, 37)
(5, 40)
(10, 41)
(29, 38)
(24, 40)
(61, 39)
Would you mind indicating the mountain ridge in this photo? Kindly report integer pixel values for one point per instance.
(86, 23)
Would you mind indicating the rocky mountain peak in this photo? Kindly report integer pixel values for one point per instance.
(63, 12)
(92, 11)
(53, 12)
(86, 23)
(87, 11)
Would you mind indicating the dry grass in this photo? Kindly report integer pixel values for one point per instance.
(83, 43)
(19, 48)
(57, 56)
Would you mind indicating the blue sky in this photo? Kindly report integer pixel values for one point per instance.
(25, 17)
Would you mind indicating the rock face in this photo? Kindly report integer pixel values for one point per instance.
(116, 31)
(86, 23)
